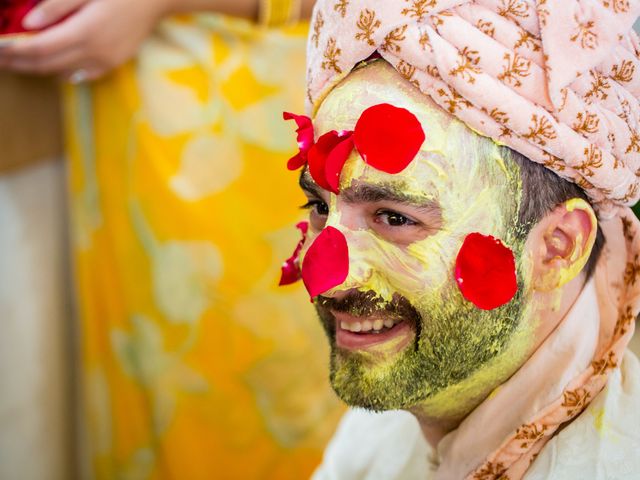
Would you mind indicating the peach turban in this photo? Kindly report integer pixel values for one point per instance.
(556, 80)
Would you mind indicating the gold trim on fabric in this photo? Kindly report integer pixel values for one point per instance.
(275, 13)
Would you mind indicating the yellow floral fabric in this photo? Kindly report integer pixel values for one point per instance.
(194, 364)
(279, 12)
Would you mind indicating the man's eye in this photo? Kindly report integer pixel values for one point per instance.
(394, 219)
(320, 207)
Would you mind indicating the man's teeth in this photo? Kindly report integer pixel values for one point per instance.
(368, 325)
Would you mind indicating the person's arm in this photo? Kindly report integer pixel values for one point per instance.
(99, 35)
(50, 11)
(238, 8)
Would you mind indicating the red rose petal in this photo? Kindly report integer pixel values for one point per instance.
(322, 152)
(290, 270)
(317, 157)
(388, 138)
(304, 139)
(326, 263)
(12, 14)
(299, 160)
(486, 271)
(335, 161)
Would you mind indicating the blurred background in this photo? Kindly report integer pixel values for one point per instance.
(145, 211)
(143, 220)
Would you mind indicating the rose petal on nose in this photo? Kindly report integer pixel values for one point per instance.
(486, 271)
(290, 270)
(326, 263)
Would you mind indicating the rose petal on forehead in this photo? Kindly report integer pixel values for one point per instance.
(290, 270)
(304, 139)
(335, 162)
(326, 263)
(304, 130)
(319, 155)
(388, 138)
(485, 271)
(297, 161)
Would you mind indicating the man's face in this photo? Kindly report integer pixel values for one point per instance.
(401, 333)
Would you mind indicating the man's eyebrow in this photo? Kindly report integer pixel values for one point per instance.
(377, 193)
(307, 184)
(370, 194)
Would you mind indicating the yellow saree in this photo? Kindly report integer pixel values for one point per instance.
(194, 364)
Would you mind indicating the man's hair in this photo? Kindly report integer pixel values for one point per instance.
(542, 191)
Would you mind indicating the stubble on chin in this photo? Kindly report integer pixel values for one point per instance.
(455, 341)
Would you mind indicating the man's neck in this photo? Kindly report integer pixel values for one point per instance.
(435, 430)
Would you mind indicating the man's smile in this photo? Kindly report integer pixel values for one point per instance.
(356, 333)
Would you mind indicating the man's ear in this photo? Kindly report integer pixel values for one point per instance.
(561, 244)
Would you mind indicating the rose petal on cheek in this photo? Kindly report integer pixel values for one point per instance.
(388, 138)
(290, 270)
(326, 263)
(485, 271)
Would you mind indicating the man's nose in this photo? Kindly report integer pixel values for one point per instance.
(346, 218)
(360, 273)
(326, 263)
(354, 271)
(335, 263)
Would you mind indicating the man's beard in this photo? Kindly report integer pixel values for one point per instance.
(452, 340)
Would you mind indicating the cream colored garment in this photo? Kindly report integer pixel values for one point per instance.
(601, 444)
(36, 417)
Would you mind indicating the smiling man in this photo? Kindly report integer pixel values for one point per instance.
(399, 309)
(469, 250)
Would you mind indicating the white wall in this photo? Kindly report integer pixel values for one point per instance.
(35, 326)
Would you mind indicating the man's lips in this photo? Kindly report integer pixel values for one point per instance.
(361, 332)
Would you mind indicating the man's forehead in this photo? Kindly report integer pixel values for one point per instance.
(371, 85)
(452, 160)
(448, 142)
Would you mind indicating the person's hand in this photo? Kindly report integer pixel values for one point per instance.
(97, 36)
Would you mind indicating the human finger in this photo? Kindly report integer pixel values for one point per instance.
(60, 37)
(49, 12)
(57, 63)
